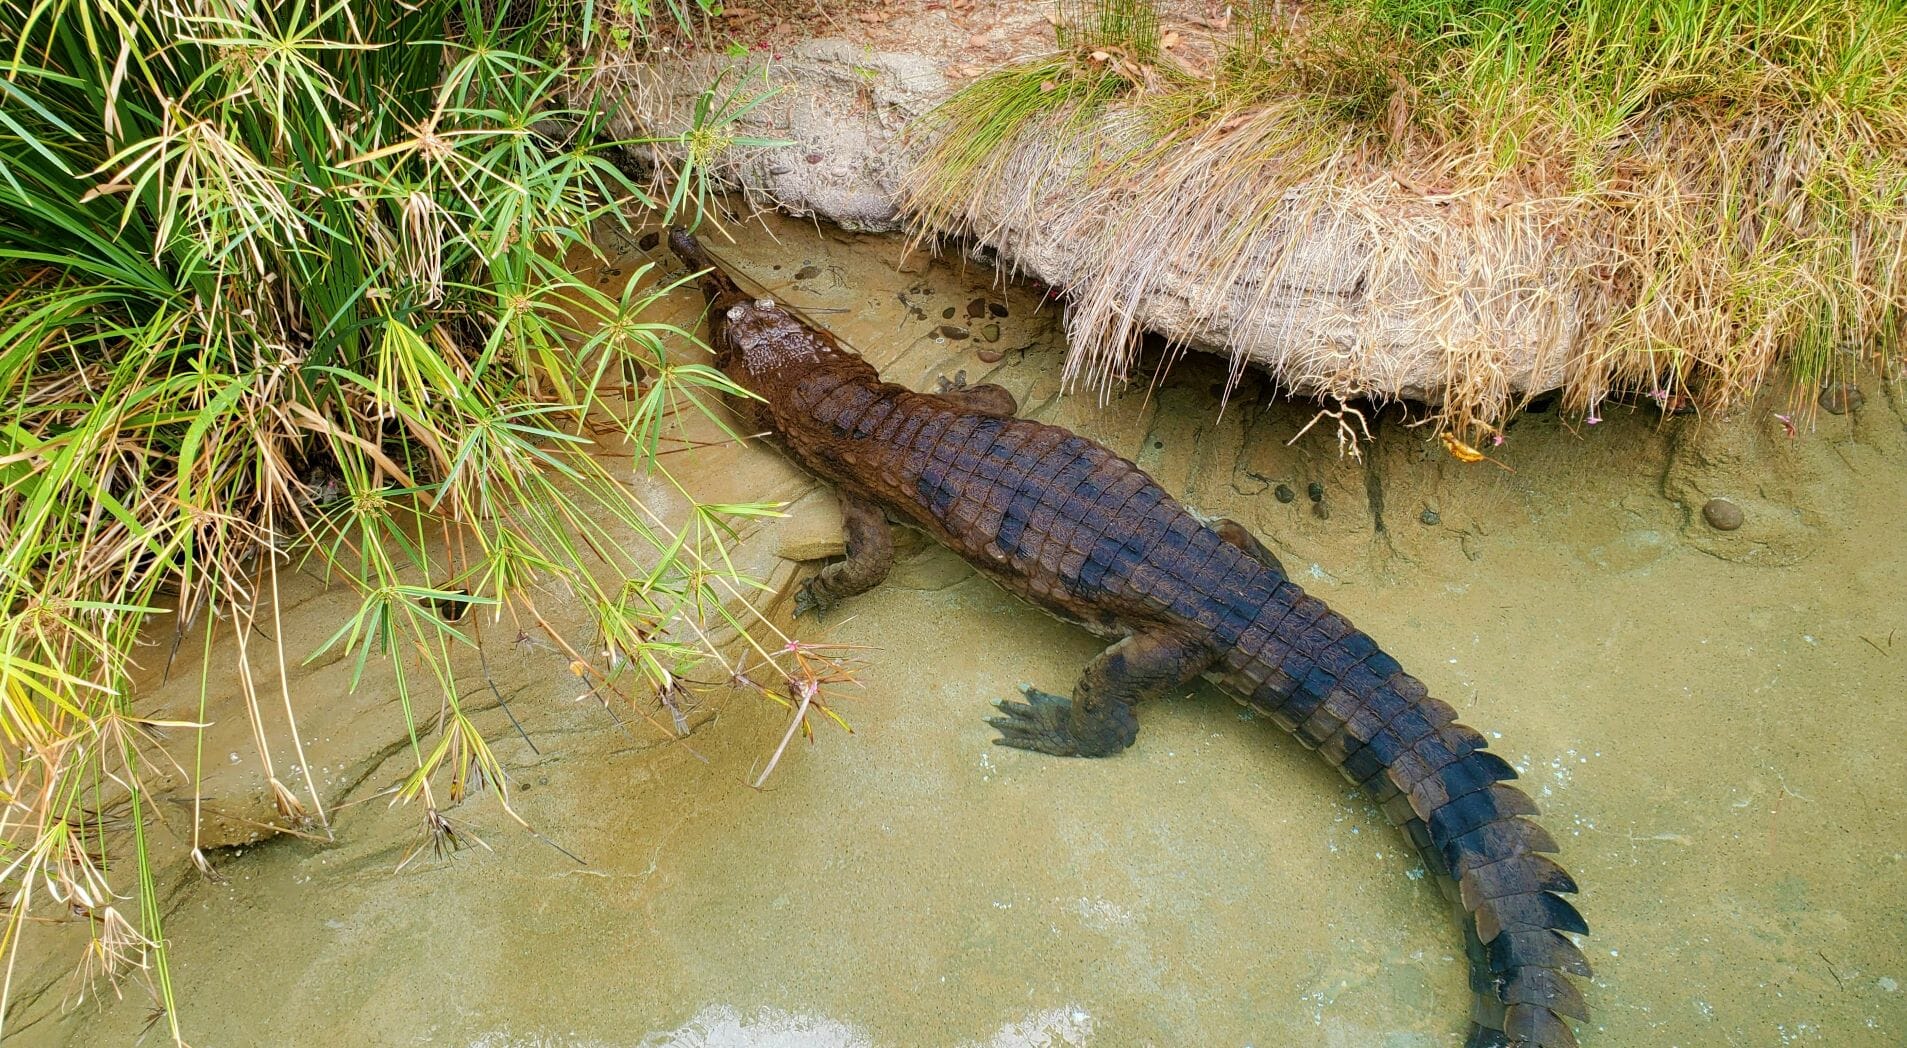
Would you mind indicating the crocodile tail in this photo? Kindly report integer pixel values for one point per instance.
(1329, 684)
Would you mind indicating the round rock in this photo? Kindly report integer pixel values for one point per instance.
(1429, 517)
(1721, 514)
(1284, 493)
(1315, 490)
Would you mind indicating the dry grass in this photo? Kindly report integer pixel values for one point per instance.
(1460, 205)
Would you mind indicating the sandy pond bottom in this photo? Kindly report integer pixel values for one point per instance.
(1713, 725)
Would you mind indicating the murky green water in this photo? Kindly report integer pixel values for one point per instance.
(1714, 726)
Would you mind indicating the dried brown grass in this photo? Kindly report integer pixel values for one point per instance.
(1370, 216)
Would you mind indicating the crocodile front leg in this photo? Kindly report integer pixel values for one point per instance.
(870, 549)
(987, 398)
(1098, 721)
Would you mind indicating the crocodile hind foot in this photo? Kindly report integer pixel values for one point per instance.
(1098, 721)
(1042, 723)
(1234, 532)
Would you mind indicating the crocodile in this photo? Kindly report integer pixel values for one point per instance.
(1077, 530)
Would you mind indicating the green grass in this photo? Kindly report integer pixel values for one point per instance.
(1722, 185)
(289, 281)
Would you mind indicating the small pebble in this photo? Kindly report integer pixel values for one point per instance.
(1316, 491)
(1721, 514)
(998, 309)
(952, 331)
(814, 158)
(947, 314)
(1430, 518)
(1841, 398)
(1284, 493)
(991, 355)
(991, 332)
(1321, 511)
(808, 272)
(977, 309)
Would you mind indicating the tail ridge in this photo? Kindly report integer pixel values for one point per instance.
(1436, 779)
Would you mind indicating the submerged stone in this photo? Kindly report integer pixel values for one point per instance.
(1722, 515)
(1841, 398)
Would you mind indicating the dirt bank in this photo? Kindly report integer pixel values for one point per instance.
(1322, 299)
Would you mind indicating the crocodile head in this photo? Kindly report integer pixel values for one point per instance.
(753, 338)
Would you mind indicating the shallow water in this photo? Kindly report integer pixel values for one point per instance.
(1713, 725)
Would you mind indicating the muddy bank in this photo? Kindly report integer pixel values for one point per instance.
(1365, 289)
(1709, 720)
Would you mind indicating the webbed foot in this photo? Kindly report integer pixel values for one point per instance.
(951, 385)
(1040, 723)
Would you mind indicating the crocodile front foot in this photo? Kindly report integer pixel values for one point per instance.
(809, 601)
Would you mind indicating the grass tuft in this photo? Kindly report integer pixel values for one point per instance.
(290, 281)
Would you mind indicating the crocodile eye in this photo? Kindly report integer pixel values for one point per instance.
(735, 312)
(764, 303)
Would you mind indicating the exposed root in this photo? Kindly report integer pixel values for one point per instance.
(1348, 438)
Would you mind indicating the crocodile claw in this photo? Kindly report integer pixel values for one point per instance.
(807, 602)
(953, 385)
(1040, 723)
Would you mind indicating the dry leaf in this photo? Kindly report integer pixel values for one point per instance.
(1460, 451)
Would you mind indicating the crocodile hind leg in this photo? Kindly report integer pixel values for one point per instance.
(870, 545)
(1098, 720)
(1234, 532)
(987, 399)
